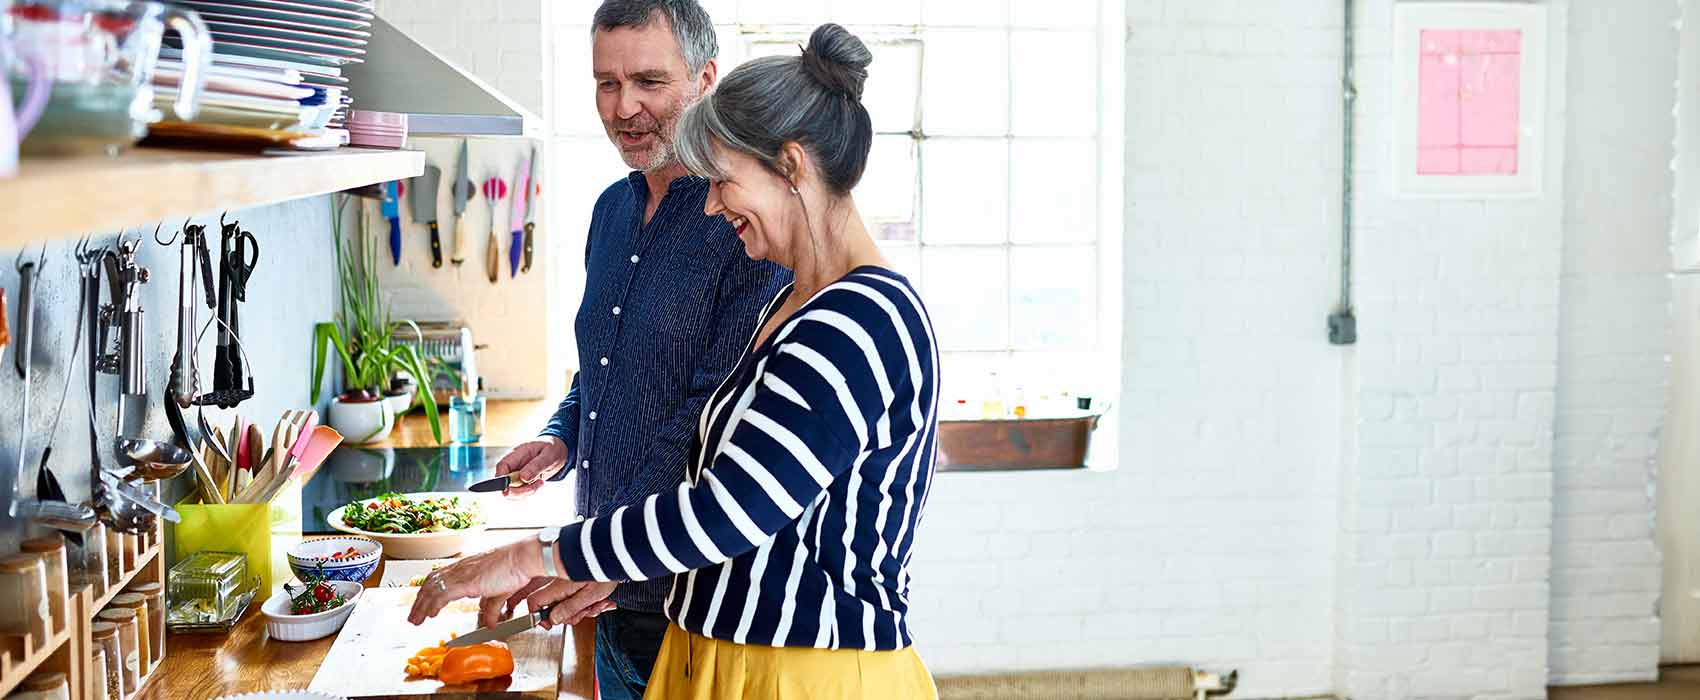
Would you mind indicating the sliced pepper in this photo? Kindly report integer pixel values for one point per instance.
(476, 663)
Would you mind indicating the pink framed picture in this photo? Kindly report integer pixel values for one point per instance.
(1470, 88)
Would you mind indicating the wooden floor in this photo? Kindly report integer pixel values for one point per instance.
(1674, 682)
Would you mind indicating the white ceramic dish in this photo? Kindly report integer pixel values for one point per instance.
(284, 627)
(423, 545)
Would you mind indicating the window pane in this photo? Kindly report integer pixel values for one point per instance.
(1055, 13)
(721, 12)
(1054, 191)
(965, 83)
(768, 46)
(886, 195)
(854, 12)
(966, 13)
(894, 85)
(807, 12)
(1056, 68)
(965, 190)
(905, 259)
(732, 47)
(1052, 304)
(966, 291)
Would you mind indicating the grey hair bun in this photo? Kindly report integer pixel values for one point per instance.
(837, 60)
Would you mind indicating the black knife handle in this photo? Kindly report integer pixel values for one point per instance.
(436, 246)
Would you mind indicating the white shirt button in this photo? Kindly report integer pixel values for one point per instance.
(616, 311)
(634, 259)
(593, 415)
(586, 464)
(604, 362)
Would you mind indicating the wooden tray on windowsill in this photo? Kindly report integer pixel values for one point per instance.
(1015, 444)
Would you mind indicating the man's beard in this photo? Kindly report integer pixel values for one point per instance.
(664, 153)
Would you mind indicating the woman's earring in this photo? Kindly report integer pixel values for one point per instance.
(793, 189)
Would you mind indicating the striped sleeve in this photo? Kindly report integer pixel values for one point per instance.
(813, 409)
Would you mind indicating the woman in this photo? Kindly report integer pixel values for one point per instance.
(790, 540)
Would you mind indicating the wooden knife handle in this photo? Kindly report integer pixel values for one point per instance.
(457, 249)
(493, 258)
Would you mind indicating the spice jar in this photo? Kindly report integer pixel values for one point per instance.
(106, 640)
(137, 603)
(23, 597)
(128, 650)
(51, 549)
(42, 685)
(114, 556)
(88, 562)
(155, 595)
(97, 667)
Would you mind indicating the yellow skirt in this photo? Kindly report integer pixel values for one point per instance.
(694, 667)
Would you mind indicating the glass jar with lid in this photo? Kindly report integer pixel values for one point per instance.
(42, 685)
(97, 670)
(155, 595)
(105, 636)
(128, 652)
(23, 598)
(88, 562)
(138, 604)
(52, 551)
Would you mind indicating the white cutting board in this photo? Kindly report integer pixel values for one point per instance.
(369, 657)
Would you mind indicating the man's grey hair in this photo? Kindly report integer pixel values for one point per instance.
(691, 24)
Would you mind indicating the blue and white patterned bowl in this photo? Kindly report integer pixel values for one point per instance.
(305, 557)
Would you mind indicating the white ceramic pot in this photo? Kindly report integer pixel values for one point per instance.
(283, 626)
(362, 423)
(400, 402)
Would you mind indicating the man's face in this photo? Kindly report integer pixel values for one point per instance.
(642, 86)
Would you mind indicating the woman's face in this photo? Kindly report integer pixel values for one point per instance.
(760, 206)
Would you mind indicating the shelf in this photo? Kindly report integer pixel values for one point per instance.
(506, 424)
(61, 198)
(124, 581)
(13, 674)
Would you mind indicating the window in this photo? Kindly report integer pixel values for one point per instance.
(994, 182)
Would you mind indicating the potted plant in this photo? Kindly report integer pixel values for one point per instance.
(363, 338)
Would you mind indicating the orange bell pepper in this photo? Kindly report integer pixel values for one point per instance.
(476, 663)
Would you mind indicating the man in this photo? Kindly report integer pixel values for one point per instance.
(670, 302)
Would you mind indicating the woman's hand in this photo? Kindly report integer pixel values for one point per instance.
(498, 572)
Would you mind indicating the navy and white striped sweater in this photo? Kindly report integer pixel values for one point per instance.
(807, 479)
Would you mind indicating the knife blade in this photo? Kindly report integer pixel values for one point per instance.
(532, 189)
(502, 630)
(462, 190)
(522, 202)
(424, 191)
(496, 483)
(390, 207)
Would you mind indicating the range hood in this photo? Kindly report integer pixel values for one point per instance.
(438, 97)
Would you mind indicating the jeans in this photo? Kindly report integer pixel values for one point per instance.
(627, 643)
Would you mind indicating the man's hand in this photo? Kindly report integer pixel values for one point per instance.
(573, 601)
(534, 461)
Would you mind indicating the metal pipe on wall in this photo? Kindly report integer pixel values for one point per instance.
(1343, 323)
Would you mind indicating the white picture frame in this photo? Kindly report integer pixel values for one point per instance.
(1410, 20)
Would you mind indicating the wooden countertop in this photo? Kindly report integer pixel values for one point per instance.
(246, 660)
(506, 423)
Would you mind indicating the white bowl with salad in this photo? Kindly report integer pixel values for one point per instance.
(413, 526)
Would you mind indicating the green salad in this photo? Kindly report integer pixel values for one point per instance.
(395, 514)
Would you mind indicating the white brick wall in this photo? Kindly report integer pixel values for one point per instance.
(500, 41)
(1613, 341)
(1446, 522)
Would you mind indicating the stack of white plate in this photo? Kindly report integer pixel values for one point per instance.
(308, 41)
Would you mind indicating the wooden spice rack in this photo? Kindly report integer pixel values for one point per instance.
(69, 648)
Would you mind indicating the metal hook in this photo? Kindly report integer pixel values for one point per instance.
(19, 264)
(174, 236)
(221, 224)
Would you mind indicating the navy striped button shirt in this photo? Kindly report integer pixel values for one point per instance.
(811, 469)
(667, 308)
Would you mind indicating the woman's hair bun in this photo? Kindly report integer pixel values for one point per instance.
(838, 60)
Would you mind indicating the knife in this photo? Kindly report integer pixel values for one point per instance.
(391, 208)
(532, 189)
(495, 190)
(497, 483)
(502, 630)
(462, 190)
(425, 208)
(522, 198)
